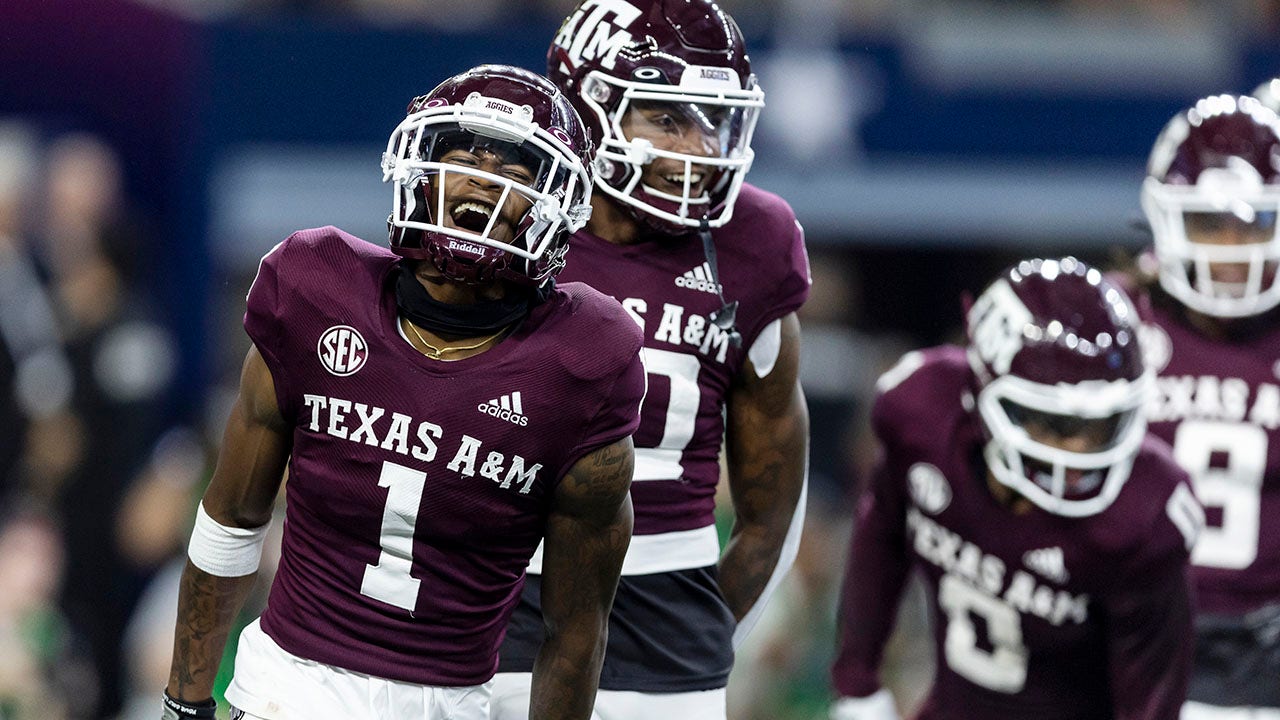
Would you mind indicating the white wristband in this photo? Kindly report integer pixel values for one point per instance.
(225, 551)
(876, 706)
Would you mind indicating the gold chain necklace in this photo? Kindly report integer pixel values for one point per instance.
(436, 352)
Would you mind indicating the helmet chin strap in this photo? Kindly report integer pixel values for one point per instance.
(454, 321)
(726, 317)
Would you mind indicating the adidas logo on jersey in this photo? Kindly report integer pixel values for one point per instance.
(506, 407)
(1048, 563)
(698, 278)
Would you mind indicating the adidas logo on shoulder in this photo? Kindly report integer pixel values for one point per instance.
(506, 407)
(698, 278)
(1048, 563)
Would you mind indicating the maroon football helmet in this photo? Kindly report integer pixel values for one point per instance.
(1054, 350)
(490, 172)
(1212, 194)
(683, 58)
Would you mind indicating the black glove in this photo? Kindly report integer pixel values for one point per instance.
(183, 710)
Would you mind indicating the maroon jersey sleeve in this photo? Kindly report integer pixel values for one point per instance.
(262, 317)
(285, 288)
(1149, 616)
(874, 577)
(619, 412)
(782, 263)
(1150, 644)
(878, 561)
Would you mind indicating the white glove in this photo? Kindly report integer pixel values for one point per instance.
(876, 706)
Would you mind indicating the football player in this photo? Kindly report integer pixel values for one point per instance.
(440, 407)
(1207, 293)
(713, 270)
(1052, 531)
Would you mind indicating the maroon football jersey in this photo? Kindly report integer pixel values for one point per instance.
(1218, 404)
(665, 283)
(1036, 616)
(418, 489)
(670, 629)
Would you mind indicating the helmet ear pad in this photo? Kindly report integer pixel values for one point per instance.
(421, 210)
(408, 241)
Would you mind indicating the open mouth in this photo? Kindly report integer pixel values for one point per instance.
(676, 181)
(471, 215)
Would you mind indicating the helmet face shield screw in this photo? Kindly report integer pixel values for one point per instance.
(598, 91)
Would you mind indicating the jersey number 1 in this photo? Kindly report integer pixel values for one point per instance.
(390, 580)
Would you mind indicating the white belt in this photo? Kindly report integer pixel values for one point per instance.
(663, 552)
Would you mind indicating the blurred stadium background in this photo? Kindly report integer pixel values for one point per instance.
(923, 144)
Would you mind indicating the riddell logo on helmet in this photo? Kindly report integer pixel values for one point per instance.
(466, 247)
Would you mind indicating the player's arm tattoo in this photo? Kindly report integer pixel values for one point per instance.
(207, 605)
(588, 531)
(241, 493)
(767, 445)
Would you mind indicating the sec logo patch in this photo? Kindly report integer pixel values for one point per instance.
(342, 350)
(1156, 346)
(929, 488)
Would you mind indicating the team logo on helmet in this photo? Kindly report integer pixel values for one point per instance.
(597, 32)
(998, 319)
(342, 350)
